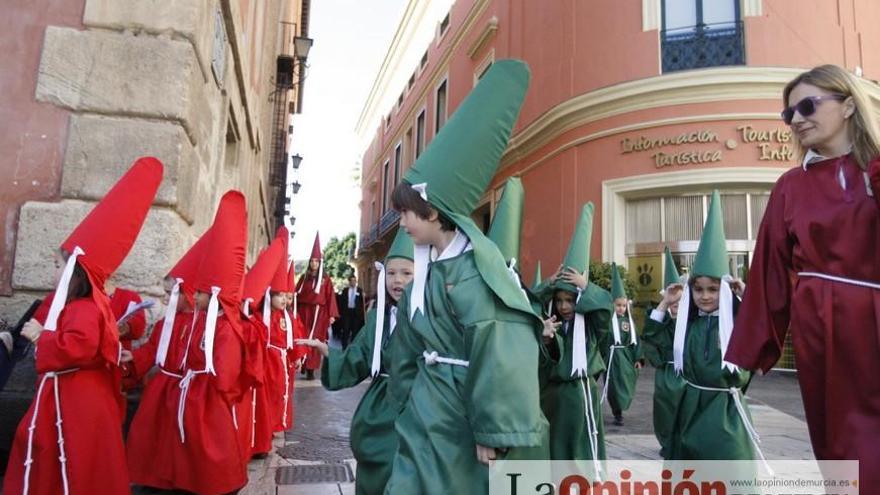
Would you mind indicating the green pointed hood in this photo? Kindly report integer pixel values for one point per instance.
(578, 254)
(536, 281)
(617, 288)
(460, 162)
(711, 258)
(507, 224)
(401, 247)
(670, 273)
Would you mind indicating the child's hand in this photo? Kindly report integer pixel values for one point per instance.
(317, 344)
(550, 328)
(571, 276)
(486, 455)
(32, 330)
(673, 294)
(126, 356)
(738, 287)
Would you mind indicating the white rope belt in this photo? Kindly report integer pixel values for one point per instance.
(592, 425)
(62, 456)
(844, 280)
(184, 384)
(283, 356)
(254, 417)
(166, 372)
(432, 358)
(736, 394)
(608, 371)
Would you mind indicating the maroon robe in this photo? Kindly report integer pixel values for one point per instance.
(309, 304)
(812, 224)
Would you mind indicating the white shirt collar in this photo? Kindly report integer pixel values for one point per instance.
(459, 244)
(812, 156)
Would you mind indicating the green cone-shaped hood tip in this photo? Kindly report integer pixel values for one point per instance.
(617, 288)
(460, 162)
(507, 224)
(670, 273)
(578, 254)
(711, 258)
(401, 247)
(536, 282)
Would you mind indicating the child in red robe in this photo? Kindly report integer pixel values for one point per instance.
(316, 305)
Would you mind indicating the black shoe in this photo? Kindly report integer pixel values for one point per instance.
(618, 420)
(310, 375)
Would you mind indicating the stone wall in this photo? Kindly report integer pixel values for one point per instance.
(141, 78)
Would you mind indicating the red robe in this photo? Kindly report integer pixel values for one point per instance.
(310, 304)
(211, 460)
(252, 412)
(153, 438)
(813, 225)
(280, 362)
(90, 421)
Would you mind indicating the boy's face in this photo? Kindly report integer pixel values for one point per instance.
(705, 292)
(398, 273)
(423, 231)
(620, 306)
(564, 303)
(279, 300)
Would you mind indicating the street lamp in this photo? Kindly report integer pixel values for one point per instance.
(295, 160)
(301, 47)
(295, 187)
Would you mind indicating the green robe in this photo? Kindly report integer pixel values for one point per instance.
(372, 436)
(621, 359)
(563, 396)
(494, 401)
(707, 425)
(668, 385)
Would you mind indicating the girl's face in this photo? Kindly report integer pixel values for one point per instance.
(278, 300)
(314, 264)
(564, 303)
(705, 292)
(289, 296)
(422, 231)
(202, 299)
(620, 306)
(826, 125)
(398, 274)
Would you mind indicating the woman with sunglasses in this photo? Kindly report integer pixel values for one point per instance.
(816, 269)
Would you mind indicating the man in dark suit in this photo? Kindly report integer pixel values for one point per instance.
(350, 302)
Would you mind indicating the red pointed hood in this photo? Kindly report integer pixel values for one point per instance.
(223, 263)
(291, 276)
(187, 267)
(108, 232)
(279, 277)
(103, 239)
(260, 276)
(316, 248)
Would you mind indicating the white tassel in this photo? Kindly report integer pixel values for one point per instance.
(633, 337)
(267, 307)
(319, 281)
(380, 321)
(60, 298)
(289, 343)
(579, 344)
(725, 321)
(615, 328)
(211, 329)
(168, 323)
(681, 322)
(421, 258)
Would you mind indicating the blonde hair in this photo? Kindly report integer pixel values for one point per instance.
(862, 124)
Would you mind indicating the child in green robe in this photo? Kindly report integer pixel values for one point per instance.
(657, 339)
(712, 421)
(624, 354)
(465, 352)
(372, 436)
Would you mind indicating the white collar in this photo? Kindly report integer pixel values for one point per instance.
(812, 156)
(459, 244)
(703, 313)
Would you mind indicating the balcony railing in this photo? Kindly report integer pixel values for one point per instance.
(388, 220)
(707, 45)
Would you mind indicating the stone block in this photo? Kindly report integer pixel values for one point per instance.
(185, 19)
(101, 149)
(123, 74)
(44, 226)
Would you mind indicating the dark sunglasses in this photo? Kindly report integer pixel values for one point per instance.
(807, 106)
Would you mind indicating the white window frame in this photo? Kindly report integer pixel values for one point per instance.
(443, 80)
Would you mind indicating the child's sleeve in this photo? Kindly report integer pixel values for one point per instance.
(346, 368)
